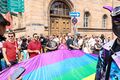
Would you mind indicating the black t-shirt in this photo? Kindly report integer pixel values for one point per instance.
(116, 47)
(1, 55)
(1, 39)
(43, 40)
(69, 42)
(24, 46)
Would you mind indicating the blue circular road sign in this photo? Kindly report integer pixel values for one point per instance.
(74, 20)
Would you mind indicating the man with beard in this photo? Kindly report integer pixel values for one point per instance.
(108, 67)
(3, 24)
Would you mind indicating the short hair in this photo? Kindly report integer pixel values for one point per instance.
(12, 33)
(34, 34)
(3, 21)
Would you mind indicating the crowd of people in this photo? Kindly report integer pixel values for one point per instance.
(15, 49)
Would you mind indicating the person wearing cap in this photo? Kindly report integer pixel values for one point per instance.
(108, 66)
(3, 24)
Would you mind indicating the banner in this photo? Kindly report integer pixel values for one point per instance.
(16, 5)
(11, 6)
(3, 6)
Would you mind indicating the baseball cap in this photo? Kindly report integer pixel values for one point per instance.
(3, 21)
(116, 11)
(116, 14)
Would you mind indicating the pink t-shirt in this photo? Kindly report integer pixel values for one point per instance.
(62, 47)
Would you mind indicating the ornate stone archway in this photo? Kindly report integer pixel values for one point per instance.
(60, 21)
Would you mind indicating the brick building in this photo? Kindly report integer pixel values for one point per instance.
(52, 17)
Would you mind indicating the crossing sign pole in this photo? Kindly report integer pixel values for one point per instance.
(74, 21)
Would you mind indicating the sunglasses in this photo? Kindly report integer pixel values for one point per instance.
(116, 22)
(10, 36)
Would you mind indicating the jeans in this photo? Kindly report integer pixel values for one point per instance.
(12, 63)
(2, 64)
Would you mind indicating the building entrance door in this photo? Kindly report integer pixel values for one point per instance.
(60, 22)
(60, 26)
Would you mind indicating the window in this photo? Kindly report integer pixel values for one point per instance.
(59, 8)
(104, 21)
(86, 19)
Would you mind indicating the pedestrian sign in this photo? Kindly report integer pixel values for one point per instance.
(74, 14)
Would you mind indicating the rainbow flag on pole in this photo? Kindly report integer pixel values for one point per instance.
(57, 65)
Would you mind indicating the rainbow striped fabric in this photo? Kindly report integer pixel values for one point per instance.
(57, 65)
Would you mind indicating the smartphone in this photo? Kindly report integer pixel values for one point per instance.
(17, 73)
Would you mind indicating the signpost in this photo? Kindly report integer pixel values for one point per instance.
(74, 21)
(74, 14)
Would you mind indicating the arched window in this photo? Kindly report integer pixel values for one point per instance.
(104, 21)
(86, 19)
(59, 8)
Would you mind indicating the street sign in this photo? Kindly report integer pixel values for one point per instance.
(74, 14)
(16, 5)
(74, 20)
(3, 6)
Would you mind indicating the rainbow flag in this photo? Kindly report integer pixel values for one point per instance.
(57, 65)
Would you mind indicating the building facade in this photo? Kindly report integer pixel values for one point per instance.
(52, 17)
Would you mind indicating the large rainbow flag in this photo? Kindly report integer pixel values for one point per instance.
(57, 65)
